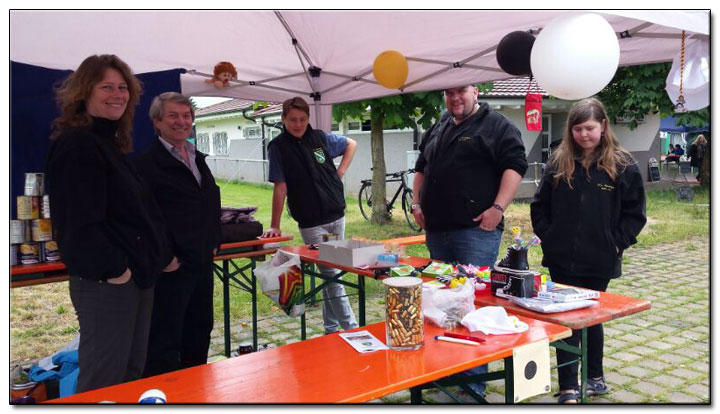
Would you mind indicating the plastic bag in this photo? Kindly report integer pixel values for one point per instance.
(281, 280)
(446, 307)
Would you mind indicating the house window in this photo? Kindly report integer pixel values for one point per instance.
(353, 126)
(546, 139)
(203, 142)
(335, 128)
(367, 125)
(252, 132)
(274, 132)
(220, 143)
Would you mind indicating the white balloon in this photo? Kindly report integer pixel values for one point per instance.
(575, 56)
(695, 76)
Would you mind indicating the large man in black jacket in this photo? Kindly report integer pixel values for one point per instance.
(190, 200)
(470, 166)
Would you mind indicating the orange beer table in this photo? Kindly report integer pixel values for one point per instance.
(309, 257)
(404, 241)
(610, 306)
(228, 271)
(326, 370)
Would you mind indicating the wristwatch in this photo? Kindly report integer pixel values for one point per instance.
(498, 206)
(413, 207)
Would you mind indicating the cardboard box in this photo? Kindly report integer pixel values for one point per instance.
(350, 253)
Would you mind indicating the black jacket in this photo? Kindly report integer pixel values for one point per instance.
(103, 214)
(581, 229)
(463, 165)
(314, 191)
(192, 212)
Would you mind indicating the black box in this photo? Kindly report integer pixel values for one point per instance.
(512, 283)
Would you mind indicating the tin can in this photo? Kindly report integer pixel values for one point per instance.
(29, 253)
(19, 231)
(28, 207)
(41, 230)
(34, 184)
(403, 313)
(50, 251)
(45, 212)
(245, 348)
(13, 255)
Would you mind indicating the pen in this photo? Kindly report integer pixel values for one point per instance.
(459, 341)
(466, 337)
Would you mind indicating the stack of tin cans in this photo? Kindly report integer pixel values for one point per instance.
(31, 235)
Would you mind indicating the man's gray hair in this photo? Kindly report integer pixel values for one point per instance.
(158, 104)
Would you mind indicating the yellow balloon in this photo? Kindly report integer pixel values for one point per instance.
(390, 69)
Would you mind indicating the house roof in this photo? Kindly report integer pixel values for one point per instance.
(234, 105)
(516, 87)
(508, 88)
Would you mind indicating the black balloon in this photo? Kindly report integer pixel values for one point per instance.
(513, 53)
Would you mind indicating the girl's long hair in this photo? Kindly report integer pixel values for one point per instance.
(72, 96)
(609, 155)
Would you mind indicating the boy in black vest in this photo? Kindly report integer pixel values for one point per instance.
(302, 168)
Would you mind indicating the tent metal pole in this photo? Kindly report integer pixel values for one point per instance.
(298, 50)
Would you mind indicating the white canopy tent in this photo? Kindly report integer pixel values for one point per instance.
(274, 51)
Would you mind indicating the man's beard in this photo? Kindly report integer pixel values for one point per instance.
(465, 114)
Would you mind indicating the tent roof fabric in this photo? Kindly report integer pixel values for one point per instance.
(444, 48)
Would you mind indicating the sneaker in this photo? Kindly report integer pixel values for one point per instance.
(515, 259)
(596, 387)
(568, 397)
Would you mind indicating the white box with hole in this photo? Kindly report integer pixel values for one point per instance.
(350, 253)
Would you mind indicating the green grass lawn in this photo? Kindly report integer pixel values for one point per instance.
(42, 318)
(668, 221)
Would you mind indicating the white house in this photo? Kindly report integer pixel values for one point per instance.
(235, 136)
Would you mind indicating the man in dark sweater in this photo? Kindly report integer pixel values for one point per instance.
(302, 169)
(470, 166)
(185, 190)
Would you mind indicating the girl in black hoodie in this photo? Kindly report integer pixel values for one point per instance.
(588, 209)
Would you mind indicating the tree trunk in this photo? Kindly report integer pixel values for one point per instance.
(380, 214)
(705, 168)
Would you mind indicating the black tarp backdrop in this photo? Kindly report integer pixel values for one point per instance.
(33, 108)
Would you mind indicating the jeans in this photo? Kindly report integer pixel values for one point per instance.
(336, 306)
(568, 375)
(466, 246)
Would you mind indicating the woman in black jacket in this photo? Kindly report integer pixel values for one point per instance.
(110, 234)
(589, 208)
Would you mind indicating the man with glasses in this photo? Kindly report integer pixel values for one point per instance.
(470, 166)
(302, 169)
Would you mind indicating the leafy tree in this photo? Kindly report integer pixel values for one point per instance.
(398, 111)
(193, 103)
(639, 90)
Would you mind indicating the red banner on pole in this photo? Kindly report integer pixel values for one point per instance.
(533, 112)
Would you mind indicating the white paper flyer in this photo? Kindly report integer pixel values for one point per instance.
(363, 341)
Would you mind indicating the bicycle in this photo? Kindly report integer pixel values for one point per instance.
(365, 197)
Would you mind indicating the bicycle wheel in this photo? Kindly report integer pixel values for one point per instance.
(407, 208)
(365, 200)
